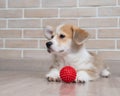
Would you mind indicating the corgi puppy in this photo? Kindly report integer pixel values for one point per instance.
(67, 44)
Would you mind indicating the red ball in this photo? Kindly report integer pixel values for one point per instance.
(68, 74)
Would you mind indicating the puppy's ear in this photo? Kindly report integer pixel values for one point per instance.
(48, 31)
(79, 35)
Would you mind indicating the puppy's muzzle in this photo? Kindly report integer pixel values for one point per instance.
(49, 44)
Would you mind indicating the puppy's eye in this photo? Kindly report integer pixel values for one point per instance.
(62, 36)
(52, 36)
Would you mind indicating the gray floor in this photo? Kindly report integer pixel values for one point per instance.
(26, 78)
(17, 83)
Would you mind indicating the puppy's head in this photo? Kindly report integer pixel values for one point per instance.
(62, 37)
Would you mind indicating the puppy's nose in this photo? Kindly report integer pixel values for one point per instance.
(48, 44)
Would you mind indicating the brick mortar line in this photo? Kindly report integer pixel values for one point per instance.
(118, 21)
(117, 3)
(80, 8)
(6, 23)
(34, 8)
(43, 38)
(108, 6)
(59, 11)
(38, 45)
(32, 49)
(99, 28)
(56, 18)
(97, 12)
(29, 39)
(77, 3)
(105, 50)
(41, 23)
(6, 4)
(4, 42)
(103, 28)
(43, 49)
(43, 28)
(22, 54)
(21, 28)
(40, 1)
(61, 7)
(22, 33)
(9, 9)
(99, 38)
(97, 34)
(23, 13)
(85, 28)
(116, 44)
(107, 39)
(83, 17)
(22, 18)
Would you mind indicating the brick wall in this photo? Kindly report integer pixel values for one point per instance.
(22, 22)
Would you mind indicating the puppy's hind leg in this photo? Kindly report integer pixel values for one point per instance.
(105, 73)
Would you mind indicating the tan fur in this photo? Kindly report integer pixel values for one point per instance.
(97, 62)
(67, 30)
(92, 72)
(73, 32)
(79, 35)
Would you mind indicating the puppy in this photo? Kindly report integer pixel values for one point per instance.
(67, 44)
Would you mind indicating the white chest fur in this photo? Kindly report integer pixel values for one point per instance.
(80, 60)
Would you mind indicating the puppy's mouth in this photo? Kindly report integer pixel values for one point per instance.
(50, 50)
(61, 51)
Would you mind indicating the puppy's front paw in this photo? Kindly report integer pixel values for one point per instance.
(53, 76)
(82, 77)
(52, 79)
